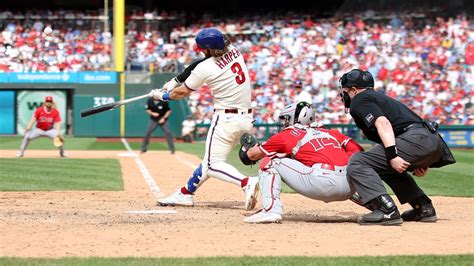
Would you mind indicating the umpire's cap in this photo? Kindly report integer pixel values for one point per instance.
(357, 78)
(210, 38)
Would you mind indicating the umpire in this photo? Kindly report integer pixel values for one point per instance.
(406, 143)
(159, 112)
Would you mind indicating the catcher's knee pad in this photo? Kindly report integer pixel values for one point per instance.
(194, 180)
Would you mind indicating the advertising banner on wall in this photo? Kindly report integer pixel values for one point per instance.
(7, 112)
(60, 77)
(28, 101)
(459, 138)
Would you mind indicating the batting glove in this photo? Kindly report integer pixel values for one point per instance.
(160, 94)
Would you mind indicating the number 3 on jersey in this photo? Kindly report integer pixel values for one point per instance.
(237, 69)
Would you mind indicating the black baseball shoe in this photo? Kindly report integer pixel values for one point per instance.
(424, 213)
(378, 217)
(385, 212)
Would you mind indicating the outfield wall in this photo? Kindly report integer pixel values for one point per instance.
(22, 93)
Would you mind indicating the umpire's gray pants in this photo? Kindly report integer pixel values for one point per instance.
(366, 170)
(166, 130)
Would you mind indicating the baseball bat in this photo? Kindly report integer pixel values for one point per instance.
(109, 106)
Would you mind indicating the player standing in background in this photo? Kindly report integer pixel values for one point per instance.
(225, 72)
(311, 161)
(46, 118)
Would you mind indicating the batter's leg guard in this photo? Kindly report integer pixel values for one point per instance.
(195, 180)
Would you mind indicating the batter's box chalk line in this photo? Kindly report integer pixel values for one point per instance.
(153, 212)
(127, 154)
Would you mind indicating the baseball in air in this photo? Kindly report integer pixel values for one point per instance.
(48, 30)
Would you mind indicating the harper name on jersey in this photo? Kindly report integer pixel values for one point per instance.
(227, 58)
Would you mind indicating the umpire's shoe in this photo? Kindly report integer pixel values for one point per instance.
(420, 213)
(385, 214)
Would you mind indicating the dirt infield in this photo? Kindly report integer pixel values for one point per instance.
(58, 224)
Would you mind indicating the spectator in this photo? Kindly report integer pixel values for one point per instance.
(187, 131)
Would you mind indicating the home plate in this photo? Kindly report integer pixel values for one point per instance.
(127, 154)
(153, 212)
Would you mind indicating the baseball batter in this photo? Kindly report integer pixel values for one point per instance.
(225, 72)
(312, 161)
(48, 124)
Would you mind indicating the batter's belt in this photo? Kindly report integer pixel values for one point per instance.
(233, 111)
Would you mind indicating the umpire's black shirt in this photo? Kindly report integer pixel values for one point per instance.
(157, 106)
(368, 105)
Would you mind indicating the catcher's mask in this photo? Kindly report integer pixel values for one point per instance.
(296, 113)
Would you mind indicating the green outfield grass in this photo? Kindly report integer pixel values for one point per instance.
(13, 143)
(452, 180)
(375, 261)
(28, 174)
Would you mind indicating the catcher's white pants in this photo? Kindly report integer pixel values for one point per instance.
(36, 133)
(313, 182)
(225, 131)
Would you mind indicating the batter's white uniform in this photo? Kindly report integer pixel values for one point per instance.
(227, 77)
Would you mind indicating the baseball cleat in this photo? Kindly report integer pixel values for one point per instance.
(424, 213)
(251, 192)
(19, 154)
(378, 217)
(177, 199)
(263, 217)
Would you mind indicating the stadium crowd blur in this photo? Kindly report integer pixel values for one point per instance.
(426, 62)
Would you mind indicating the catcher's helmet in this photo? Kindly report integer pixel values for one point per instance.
(210, 38)
(297, 113)
(357, 78)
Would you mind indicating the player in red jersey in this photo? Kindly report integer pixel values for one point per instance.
(310, 160)
(48, 124)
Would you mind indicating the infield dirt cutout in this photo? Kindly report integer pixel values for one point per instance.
(59, 224)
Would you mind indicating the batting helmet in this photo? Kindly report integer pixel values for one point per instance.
(210, 38)
(297, 113)
(357, 78)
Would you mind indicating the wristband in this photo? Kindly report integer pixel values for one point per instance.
(166, 96)
(391, 152)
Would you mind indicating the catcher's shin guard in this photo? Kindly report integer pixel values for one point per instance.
(270, 187)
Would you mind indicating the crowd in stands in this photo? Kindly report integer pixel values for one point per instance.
(425, 62)
(53, 41)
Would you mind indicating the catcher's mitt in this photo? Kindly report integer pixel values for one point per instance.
(247, 141)
(58, 141)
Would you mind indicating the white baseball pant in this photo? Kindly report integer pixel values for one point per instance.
(313, 182)
(36, 133)
(224, 133)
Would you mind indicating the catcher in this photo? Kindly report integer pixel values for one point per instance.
(310, 160)
(48, 124)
